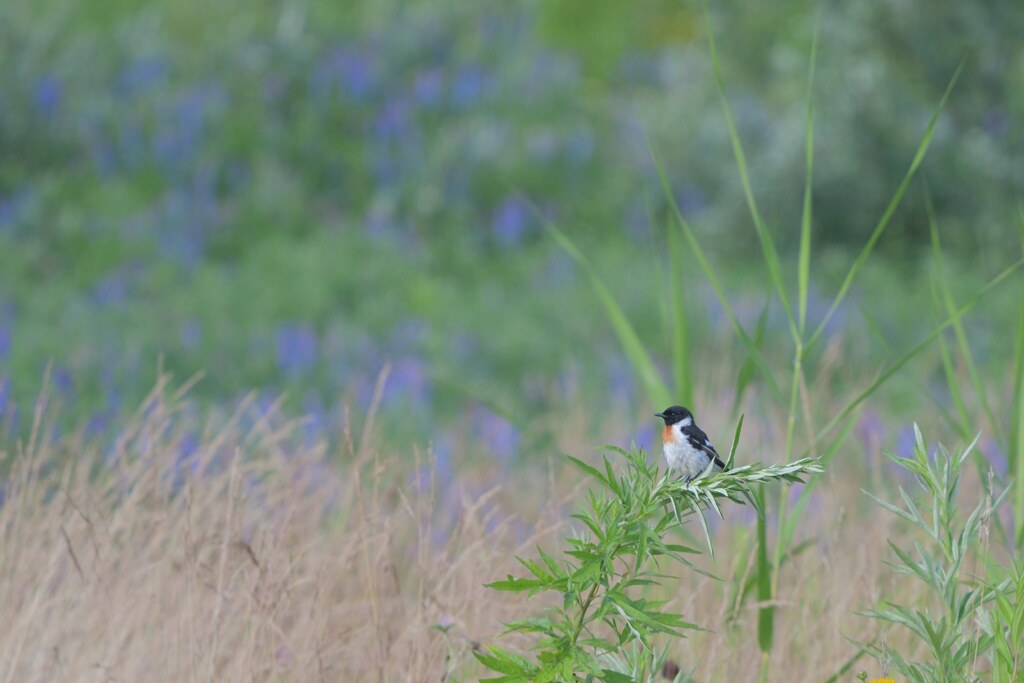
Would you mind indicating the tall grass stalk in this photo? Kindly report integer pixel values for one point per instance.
(1015, 453)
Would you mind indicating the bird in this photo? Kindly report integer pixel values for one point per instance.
(688, 450)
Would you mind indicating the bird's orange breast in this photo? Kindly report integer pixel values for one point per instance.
(666, 434)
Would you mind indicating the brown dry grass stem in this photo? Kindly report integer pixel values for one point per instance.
(261, 558)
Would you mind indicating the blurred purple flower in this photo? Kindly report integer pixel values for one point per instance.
(905, 442)
(442, 450)
(500, 436)
(996, 122)
(394, 120)
(48, 94)
(98, 423)
(817, 308)
(510, 221)
(111, 290)
(63, 380)
(429, 87)
(16, 205)
(408, 384)
(296, 348)
(349, 72)
(131, 149)
(870, 430)
(185, 461)
(5, 394)
(996, 457)
(5, 342)
(440, 468)
(141, 75)
(315, 420)
(619, 374)
(644, 438)
(408, 335)
(191, 334)
(691, 201)
(468, 86)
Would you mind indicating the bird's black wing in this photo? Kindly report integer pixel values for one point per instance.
(700, 441)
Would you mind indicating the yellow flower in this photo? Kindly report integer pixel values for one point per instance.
(883, 680)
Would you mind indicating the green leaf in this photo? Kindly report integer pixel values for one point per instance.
(771, 256)
(712, 278)
(916, 349)
(883, 222)
(588, 469)
(804, 259)
(609, 676)
(765, 613)
(515, 667)
(512, 584)
(630, 341)
(680, 328)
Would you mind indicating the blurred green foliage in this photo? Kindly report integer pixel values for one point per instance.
(291, 194)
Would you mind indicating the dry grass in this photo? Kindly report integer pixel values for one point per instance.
(263, 560)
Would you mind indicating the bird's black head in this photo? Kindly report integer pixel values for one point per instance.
(674, 414)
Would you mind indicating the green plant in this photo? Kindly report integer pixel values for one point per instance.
(952, 636)
(1005, 624)
(604, 623)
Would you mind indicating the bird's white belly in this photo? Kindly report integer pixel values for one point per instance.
(685, 459)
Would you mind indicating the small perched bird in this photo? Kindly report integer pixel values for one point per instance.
(688, 449)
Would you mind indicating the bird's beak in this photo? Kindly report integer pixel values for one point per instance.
(661, 415)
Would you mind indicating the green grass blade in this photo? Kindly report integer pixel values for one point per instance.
(712, 278)
(680, 329)
(735, 443)
(766, 612)
(883, 222)
(1016, 452)
(847, 665)
(788, 530)
(771, 256)
(643, 365)
(749, 366)
(958, 330)
(804, 262)
(920, 346)
(962, 420)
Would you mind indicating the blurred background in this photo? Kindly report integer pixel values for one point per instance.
(293, 195)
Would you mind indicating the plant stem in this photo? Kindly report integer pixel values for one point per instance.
(584, 606)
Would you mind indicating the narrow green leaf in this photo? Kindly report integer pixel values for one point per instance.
(883, 222)
(749, 366)
(966, 354)
(680, 328)
(630, 341)
(766, 612)
(804, 261)
(588, 469)
(512, 584)
(712, 278)
(735, 442)
(1016, 450)
(916, 349)
(771, 256)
